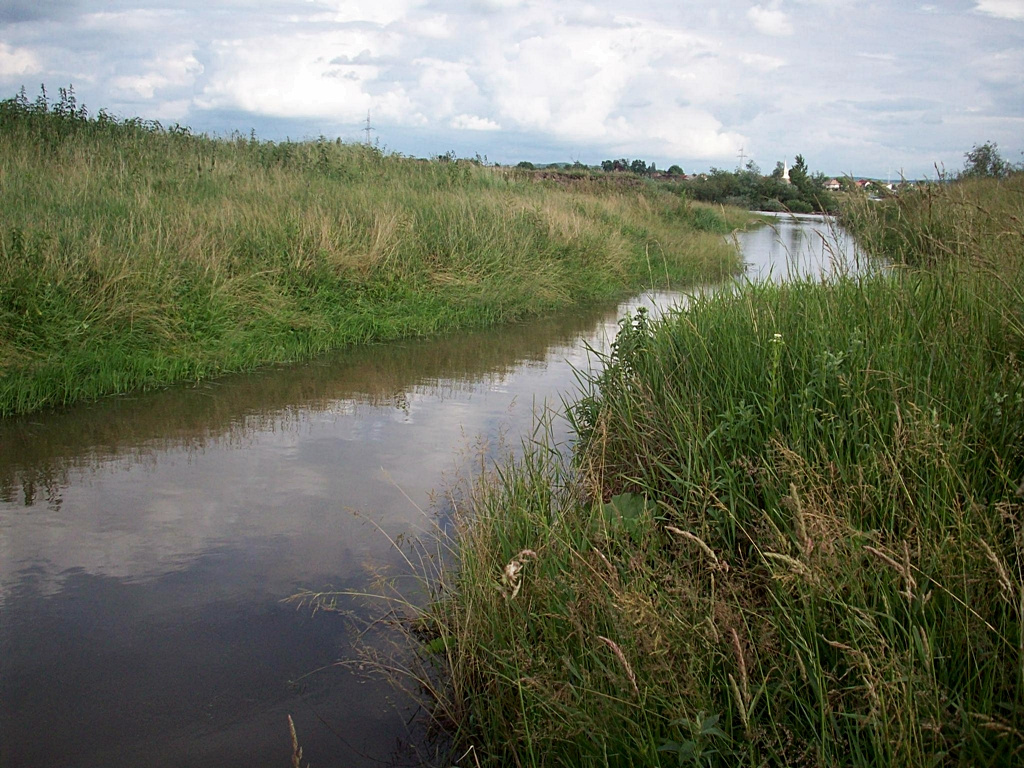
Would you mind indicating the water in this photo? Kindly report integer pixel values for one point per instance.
(799, 245)
(147, 542)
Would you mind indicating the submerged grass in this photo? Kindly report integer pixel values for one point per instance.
(792, 531)
(133, 256)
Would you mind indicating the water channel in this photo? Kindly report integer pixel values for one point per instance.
(147, 542)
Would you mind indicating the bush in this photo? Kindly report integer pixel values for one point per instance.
(800, 206)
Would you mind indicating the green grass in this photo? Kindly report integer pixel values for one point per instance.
(132, 256)
(791, 533)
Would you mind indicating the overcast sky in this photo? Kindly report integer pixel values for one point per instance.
(857, 86)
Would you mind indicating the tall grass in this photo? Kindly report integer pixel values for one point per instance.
(792, 531)
(132, 255)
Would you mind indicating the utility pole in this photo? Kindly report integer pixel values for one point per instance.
(368, 128)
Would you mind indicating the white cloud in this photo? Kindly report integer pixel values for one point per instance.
(1003, 67)
(445, 87)
(291, 75)
(474, 123)
(171, 111)
(437, 27)
(877, 56)
(140, 86)
(497, 5)
(381, 12)
(176, 67)
(18, 61)
(770, 20)
(1002, 9)
(761, 61)
(633, 85)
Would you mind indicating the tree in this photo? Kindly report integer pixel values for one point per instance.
(638, 167)
(798, 173)
(985, 162)
(527, 165)
(675, 170)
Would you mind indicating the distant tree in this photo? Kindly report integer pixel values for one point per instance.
(985, 162)
(798, 173)
(638, 166)
(750, 188)
(675, 170)
(780, 169)
(622, 164)
(527, 165)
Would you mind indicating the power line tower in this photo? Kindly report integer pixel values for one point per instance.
(742, 156)
(368, 128)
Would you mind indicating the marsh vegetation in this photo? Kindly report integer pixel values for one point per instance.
(134, 255)
(791, 530)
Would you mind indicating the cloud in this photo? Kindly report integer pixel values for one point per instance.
(495, 6)
(770, 20)
(445, 87)
(135, 21)
(18, 61)
(877, 56)
(34, 10)
(761, 61)
(663, 80)
(293, 74)
(437, 27)
(176, 67)
(1002, 9)
(380, 12)
(474, 123)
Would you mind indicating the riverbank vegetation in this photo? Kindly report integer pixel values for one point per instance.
(803, 192)
(797, 190)
(791, 531)
(134, 255)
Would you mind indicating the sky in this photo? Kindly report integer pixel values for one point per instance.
(862, 87)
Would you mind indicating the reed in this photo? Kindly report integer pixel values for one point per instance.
(791, 531)
(133, 256)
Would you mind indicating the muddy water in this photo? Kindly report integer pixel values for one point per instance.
(147, 542)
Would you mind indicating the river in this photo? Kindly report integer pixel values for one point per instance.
(147, 542)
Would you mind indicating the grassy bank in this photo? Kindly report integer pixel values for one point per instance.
(791, 532)
(134, 256)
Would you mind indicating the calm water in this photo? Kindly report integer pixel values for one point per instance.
(147, 543)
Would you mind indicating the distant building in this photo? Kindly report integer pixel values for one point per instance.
(833, 185)
(785, 173)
